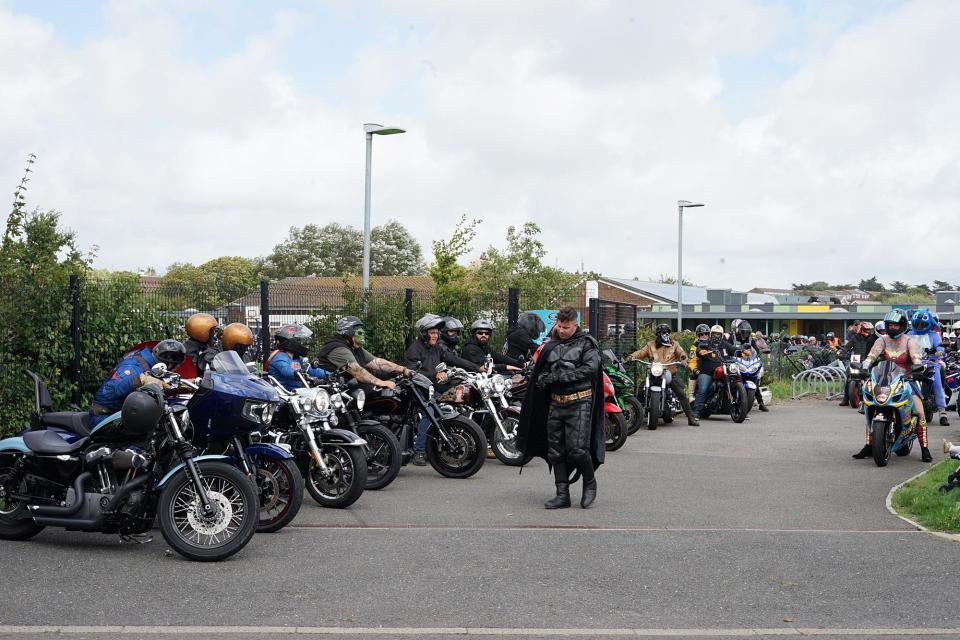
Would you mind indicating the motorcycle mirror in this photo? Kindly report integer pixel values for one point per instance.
(159, 370)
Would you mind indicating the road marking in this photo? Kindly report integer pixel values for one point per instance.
(12, 630)
(576, 528)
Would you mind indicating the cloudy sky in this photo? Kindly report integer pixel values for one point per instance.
(823, 136)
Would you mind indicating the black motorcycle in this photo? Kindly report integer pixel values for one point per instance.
(133, 467)
(727, 394)
(659, 401)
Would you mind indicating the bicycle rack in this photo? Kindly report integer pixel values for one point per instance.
(828, 380)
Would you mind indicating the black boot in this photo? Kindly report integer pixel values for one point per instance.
(844, 403)
(760, 404)
(562, 499)
(925, 454)
(589, 492)
(866, 452)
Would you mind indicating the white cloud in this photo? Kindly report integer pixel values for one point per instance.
(591, 118)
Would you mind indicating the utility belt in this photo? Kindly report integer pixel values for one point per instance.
(100, 410)
(571, 397)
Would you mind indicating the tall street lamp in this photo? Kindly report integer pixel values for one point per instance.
(370, 129)
(681, 205)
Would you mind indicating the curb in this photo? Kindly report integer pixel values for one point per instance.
(953, 537)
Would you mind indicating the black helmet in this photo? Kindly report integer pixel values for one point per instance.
(481, 325)
(427, 322)
(897, 317)
(663, 334)
(450, 331)
(170, 353)
(348, 325)
(295, 338)
(702, 329)
(142, 410)
(532, 324)
(743, 331)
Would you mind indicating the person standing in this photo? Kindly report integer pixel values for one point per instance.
(562, 416)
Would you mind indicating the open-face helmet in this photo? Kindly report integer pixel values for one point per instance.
(348, 326)
(702, 331)
(479, 326)
(200, 327)
(295, 338)
(716, 334)
(238, 337)
(427, 322)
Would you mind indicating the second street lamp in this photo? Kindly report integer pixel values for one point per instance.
(681, 205)
(370, 130)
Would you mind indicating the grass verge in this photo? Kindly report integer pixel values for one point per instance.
(781, 389)
(921, 501)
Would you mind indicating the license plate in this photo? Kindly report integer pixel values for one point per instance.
(855, 359)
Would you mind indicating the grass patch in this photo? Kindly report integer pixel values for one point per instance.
(921, 501)
(781, 389)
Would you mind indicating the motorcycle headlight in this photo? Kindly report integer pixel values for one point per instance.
(315, 400)
(336, 401)
(360, 398)
(256, 411)
(656, 370)
(732, 369)
(499, 384)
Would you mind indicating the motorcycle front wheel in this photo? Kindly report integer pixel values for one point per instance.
(466, 452)
(653, 409)
(633, 413)
(880, 443)
(506, 449)
(615, 431)
(208, 537)
(383, 456)
(739, 406)
(280, 489)
(345, 481)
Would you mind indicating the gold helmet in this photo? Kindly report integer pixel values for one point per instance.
(200, 325)
(237, 334)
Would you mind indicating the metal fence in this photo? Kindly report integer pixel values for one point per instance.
(72, 332)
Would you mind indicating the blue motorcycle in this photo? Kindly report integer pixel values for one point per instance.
(134, 467)
(888, 407)
(226, 415)
(751, 372)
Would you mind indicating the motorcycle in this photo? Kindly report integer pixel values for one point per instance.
(482, 398)
(751, 372)
(727, 394)
(889, 410)
(456, 446)
(632, 407)
(854, 381)
(224, 415)
(659, 399)
(614, 425)
(122, 476)
(332, 462)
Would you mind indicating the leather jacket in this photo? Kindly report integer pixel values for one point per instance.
(573, 365)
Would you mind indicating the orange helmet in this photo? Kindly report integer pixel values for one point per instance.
(199, 326)
(237, 334)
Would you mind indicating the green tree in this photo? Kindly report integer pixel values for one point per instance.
(817, 285)
(394, 251)
(665, 279)
(449, 276)
(210, 284)
(871, 284)
(899, 287)
(942, 285)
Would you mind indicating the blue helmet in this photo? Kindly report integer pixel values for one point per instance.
(922, 321)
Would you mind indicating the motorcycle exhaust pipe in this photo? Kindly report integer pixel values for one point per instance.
(78, 524)
(73, 509)
(70, 524)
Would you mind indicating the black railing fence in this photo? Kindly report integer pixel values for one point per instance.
(72, 332)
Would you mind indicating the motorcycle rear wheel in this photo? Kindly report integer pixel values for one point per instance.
(615, 429)
(879, 444)
(15, 524)
(470, 452)
(383, 459)
(633, 413)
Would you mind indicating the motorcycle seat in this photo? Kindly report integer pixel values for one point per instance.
(75, 421)
(49, 443)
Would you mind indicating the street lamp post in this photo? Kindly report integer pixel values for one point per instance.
(681, 205)
(371, 129)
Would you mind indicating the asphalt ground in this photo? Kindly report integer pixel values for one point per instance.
(749, 530)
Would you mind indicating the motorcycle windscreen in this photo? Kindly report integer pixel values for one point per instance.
(229, 362)
(885, 373)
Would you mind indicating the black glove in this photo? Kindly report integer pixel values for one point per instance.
(544, 380)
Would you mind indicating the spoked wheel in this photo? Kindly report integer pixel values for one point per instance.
(219, 534)
(615, 431)
(633, 414)
(880, 441)
(466, 452)
(383, 455)
(280, 488)
(345, 479)
(505, 448)
(15, 524)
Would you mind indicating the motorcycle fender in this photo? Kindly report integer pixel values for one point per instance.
(751, 384)
(510, 411)
(341, 436)
(170, 474)
(14, 444)
(611, 407)
(446, 411)
(269, 450)
(656, 389)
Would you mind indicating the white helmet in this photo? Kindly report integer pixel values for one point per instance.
(956, 326)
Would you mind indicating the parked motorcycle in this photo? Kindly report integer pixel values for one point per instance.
(482, 398)
(332, 461)
(135, 466)
(889, 410)
(225, 415)
(614, 425)
(633, 410)
(658, 399)
(727, 394)
(456, 446)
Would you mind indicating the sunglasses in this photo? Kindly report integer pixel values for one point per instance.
(483, 333)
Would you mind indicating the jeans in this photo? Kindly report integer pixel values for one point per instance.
(420, 443)
(703, 385)
(938, 394)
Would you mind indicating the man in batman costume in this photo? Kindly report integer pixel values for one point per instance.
(562, 415)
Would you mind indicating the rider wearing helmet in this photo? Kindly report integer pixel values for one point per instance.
(290, 358)
(343, 350)
(931, 345)
(859, 344)
(203, 341)
(904, 351)
(663, 349)
(833, 342)
(131, 373)
(237, 337)
(521, 341)
(742, 339)
(880, 329)
(707, 350)
(477, 348)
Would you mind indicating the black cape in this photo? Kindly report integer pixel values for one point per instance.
(532, 428)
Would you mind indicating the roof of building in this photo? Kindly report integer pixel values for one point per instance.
(667, 293)
(313, 293)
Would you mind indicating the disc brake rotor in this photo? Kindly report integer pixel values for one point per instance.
(216, 523)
